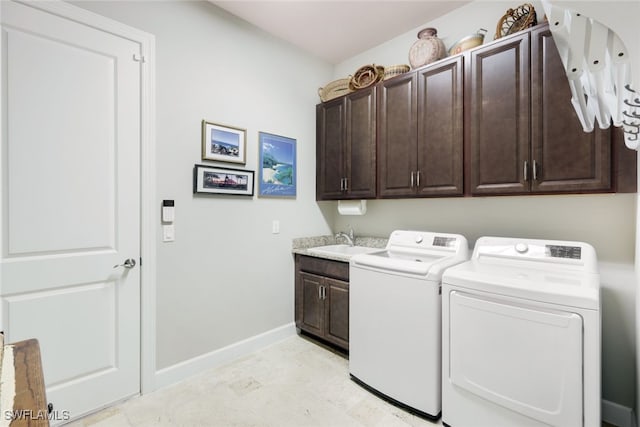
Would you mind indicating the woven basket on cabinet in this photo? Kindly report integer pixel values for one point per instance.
(334, 89)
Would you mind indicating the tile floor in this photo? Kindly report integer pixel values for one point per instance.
(293, 383)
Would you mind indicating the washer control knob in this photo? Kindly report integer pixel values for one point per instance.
(419, 238)
(522, 248)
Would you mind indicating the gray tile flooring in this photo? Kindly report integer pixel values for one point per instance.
(292, 383)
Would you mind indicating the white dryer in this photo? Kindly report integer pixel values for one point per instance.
(521, 336)
(395, 317)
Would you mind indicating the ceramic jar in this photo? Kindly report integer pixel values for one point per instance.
(427, 49)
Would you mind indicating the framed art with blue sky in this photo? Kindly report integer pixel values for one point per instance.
(223, 143)
(277, 166)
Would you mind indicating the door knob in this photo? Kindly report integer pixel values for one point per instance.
(128, 263)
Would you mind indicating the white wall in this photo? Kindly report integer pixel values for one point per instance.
(607, 221)
(226, 277)
(451, 27)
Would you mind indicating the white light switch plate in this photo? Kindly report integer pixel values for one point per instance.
(168, 233)
(275, 227)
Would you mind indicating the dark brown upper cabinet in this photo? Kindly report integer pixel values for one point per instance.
(345, 144)
(523, 133)
(420, 138)
(397, 136)
(440, 129)
(564, 157)
(494, 120)
(498, 99)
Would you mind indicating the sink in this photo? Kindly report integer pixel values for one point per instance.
(344, 250)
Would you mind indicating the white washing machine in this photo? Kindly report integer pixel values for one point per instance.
(521, 336)
(395, 318)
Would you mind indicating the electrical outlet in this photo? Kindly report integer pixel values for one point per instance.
(275, 227)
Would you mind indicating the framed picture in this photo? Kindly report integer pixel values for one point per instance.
(223, 143)
(215, 180)
(277, 166)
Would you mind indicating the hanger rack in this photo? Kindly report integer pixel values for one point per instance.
(598, 67)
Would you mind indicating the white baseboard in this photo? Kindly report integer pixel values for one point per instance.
(180, 371)
(618, 415)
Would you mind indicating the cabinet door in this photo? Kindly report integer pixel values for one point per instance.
(397, 136)
(330, 149)
(498, 90)
(337, 312)
(566, 158)
(360, 144)
(312, 304)
(440, 129)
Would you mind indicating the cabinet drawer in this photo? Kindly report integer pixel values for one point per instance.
(323, 267)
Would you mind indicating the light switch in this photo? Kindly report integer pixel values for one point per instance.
(275, 226)
(168, 233)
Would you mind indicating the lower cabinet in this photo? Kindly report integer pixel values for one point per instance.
(322, 299)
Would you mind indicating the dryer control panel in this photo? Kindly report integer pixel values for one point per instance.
(556, 254)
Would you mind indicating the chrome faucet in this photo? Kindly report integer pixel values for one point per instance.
(347, 235)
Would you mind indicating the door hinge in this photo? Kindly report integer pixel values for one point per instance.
(139, 58)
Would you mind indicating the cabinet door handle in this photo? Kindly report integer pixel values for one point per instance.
(418, 179)
(324, 292)
(346, 184)
(341, 184)
(525, 171)
(412, 179)
(535, 170)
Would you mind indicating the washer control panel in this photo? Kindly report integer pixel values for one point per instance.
(560, 251)
(445, 242)
(423, 240)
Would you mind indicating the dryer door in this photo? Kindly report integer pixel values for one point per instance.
(526, 359)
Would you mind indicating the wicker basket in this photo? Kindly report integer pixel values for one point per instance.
(334, 89)
(395, 70)
(514, 20)
(366, 76)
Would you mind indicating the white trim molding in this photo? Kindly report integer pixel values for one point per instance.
(222, 356)
(148, 217)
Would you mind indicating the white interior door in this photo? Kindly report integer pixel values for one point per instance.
(71, 203)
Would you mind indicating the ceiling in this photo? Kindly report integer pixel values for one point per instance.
(336, 30)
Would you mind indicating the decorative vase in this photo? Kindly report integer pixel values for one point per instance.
(427, 49)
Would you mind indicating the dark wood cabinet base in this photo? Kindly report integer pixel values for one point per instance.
(322, 299)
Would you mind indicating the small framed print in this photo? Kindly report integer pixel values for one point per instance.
(223, 143)
(277, 162)
(215, 180)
